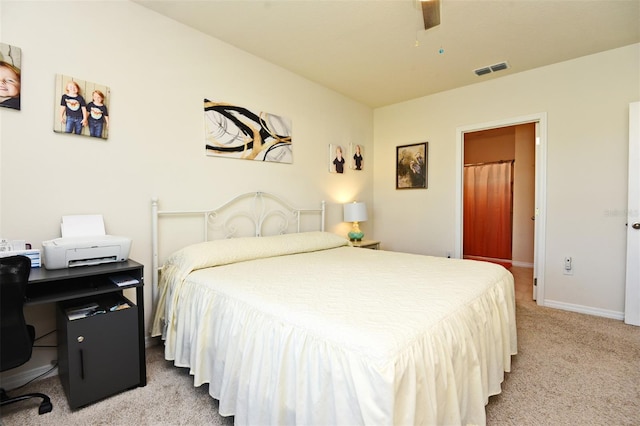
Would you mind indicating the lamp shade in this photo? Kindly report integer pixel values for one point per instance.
(355, 212)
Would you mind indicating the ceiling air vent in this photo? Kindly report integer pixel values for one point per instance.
(491, 68)
(499, 67)
(483, 71)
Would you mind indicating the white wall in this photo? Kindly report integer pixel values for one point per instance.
(524, 196)
(587, 101)
(158, 71)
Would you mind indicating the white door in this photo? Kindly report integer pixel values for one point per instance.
(632, 297)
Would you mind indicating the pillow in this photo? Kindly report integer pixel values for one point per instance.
(231, 250)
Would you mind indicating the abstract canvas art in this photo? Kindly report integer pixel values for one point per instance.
(233, 131)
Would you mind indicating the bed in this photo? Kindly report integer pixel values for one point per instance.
(303, 328)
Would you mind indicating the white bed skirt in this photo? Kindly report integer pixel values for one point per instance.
(279, 346)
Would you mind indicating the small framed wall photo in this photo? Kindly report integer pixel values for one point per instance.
(336, 159)
(356, 156)
(411, 166)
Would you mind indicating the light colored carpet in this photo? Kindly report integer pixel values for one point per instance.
(571, 369)
(168, 399)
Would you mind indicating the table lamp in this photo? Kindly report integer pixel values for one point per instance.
(355, 212)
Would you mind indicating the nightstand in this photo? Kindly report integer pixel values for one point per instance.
(370, 244)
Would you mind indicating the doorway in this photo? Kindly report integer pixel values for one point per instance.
(535, 214)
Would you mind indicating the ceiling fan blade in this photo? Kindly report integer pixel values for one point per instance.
(431, 13)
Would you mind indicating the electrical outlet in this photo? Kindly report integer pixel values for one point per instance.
(568, 266)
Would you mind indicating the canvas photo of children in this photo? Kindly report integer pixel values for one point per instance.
(356, 156)
(336, 159)
(10, 71)
(81, 107)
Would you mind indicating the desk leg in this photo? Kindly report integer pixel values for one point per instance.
(141, 334)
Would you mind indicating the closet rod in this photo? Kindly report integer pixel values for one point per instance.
(490, 162)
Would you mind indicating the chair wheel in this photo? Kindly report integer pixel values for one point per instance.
(45, 407)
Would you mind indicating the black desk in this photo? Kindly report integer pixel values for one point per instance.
(47, 286)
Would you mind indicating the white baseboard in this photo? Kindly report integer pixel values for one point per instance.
(12, 381)
(584, 309)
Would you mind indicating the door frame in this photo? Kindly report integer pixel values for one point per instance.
(632, 282)
(540, 120)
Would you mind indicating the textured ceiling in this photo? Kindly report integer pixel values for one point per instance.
(378, 53)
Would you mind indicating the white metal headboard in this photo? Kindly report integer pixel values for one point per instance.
(254, 210)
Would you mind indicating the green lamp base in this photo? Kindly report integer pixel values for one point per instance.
(356, 236)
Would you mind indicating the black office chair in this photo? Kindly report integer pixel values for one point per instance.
(16, 336)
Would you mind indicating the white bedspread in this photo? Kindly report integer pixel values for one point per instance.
(346, 336)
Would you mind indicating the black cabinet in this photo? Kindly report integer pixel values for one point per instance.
(98, 354)
(101, 354)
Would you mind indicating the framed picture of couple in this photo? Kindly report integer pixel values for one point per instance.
(411, 166)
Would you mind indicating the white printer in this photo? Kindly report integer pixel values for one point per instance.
(81, 251)
(84, 242)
